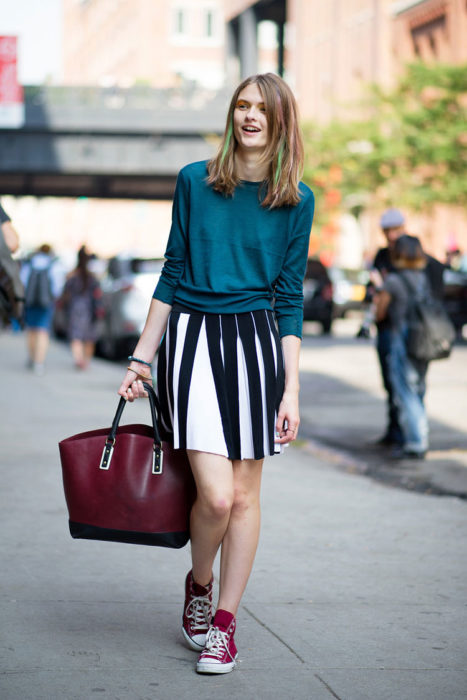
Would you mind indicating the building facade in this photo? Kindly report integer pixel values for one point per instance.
(151, 42)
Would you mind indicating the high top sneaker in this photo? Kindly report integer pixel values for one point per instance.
(220, 652)
(197, 613)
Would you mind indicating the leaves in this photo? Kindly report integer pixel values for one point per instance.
(409, 150)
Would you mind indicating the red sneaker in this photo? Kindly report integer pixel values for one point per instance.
(197, 613)
(220, 652)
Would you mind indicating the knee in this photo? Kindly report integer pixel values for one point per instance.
(217, 505)
(243, 500)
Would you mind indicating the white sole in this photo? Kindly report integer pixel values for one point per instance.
(193, 645)
(202, 667)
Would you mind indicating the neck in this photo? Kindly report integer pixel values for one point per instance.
(247, 167)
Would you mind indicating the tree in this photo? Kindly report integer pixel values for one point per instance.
(411, 149)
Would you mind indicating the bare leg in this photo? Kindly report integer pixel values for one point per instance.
(77, 350)
(41, 345)
(31, 343)
(241, 538)
(211, 512)
(89, 347)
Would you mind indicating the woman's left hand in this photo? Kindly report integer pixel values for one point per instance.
(288, 419)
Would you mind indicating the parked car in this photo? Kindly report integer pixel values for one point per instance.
(455, 297)
(349, 290)
(318, 295)
(127, 290)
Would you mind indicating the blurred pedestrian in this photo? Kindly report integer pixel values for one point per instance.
(9, 233)
(82, 302)
(407, 376)
(43, 281)
(11, 287)
(393, 225)
(238, 246)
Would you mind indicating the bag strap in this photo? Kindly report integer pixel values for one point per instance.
(112, 436)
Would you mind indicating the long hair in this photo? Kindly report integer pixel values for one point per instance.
(284, 153)
(408, 254)
(82, 270)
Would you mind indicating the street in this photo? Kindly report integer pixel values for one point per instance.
(358, 591)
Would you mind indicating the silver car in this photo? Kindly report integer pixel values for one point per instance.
(127, 290)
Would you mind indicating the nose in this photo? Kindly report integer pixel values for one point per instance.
(251, 112)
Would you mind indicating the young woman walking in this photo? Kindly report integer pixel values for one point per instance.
(228, 309)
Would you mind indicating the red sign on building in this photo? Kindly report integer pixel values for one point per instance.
(11, 92)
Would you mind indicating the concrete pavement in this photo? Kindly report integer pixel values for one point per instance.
(358, 591)
(343, 410)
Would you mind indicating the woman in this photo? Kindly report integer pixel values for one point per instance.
(407, 375)
(228, 386)
(82, 300)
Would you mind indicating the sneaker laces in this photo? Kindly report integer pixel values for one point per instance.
(217, 643)
(199, 611)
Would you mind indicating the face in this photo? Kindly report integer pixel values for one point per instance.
(249, 120)
(392, 234)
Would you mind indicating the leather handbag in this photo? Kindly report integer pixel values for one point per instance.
(123, 484)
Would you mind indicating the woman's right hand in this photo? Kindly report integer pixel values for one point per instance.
(132, 386)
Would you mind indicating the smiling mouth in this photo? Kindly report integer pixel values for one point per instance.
(251, 129)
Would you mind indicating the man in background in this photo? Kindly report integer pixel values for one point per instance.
(393, 225)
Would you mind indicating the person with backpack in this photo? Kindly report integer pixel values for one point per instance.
(407, 374)
(43, 282)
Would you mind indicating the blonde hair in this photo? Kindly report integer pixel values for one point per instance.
(284, 153)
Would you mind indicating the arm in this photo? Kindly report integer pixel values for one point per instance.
(132, 386)
(288, 417)
(382, 301)
(10, 235)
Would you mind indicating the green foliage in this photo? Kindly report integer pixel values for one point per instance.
(410, 150)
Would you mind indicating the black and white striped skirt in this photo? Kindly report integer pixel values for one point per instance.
(220, 380)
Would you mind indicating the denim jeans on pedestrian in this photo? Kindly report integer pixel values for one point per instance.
(383, 348)
(408, 385)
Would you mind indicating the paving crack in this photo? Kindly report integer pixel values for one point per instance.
(260, 622)
(327, 686)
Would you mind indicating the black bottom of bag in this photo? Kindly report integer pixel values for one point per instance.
(175, 540)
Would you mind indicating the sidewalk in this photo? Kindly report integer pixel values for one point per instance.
(358, 590)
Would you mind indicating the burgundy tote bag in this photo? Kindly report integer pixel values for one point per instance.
(123, 484)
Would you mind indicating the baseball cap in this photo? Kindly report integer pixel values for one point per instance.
(392, 218)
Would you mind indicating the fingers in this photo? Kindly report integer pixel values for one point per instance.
(286, 431)
(132, 389)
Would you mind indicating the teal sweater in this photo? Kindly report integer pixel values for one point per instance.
(231, 255)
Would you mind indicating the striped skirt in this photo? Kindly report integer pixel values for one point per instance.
(220, 380)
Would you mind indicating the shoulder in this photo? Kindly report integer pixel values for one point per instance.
(3, 215)
(194, 171)
(307, 198)
(393, 283)
(381, 256)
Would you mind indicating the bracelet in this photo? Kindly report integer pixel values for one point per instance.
(141, 362)
(138, 374)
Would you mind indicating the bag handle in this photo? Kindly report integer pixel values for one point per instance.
(112, 436)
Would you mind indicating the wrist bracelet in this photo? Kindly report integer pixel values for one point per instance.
(141, 362)
(138, 374)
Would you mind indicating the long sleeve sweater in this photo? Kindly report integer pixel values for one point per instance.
(231, 255)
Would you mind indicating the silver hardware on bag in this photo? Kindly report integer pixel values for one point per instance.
(157, 459)
(107, 454)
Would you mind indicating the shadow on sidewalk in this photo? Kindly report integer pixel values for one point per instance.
(342, 423)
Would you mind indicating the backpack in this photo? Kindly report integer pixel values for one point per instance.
(11, 287)
(39, 288)
(431, 333)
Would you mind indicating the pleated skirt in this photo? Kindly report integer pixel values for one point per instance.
(220, 380)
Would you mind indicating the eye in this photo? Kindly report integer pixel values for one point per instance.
(242, 105)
